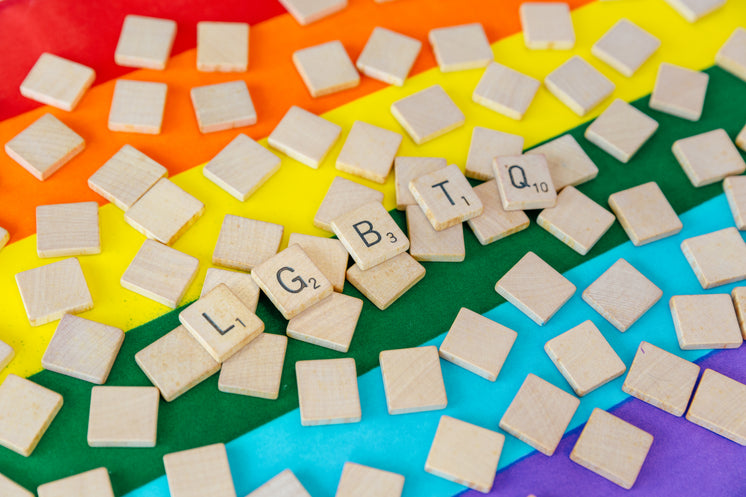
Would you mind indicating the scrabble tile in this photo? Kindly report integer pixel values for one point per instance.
(621, 130)
(539, 414)
(584, 358)
(256, 369)
(644, 213)
(547, 25)
(326, 68)
(242, 167)
(308, 11)
(342, 197)
(221, 323)
(612, 448)
(739, 302)
(83, 349)
(732, 55)
(240, 284)
(446, 197)
(330, 323)
(465, 454)
(486, 144)
(137, 106)
(717, 258)
(461, 47)
(160, 273)
(370, 235)
(245, 243)
(622, 295)
(67, 229)
(57, 82)
(625, 47)
(495, 222)
(412, 380)
(705, 322)
(145, 42)
(124, 178)
(4, 237)
(199, 472)
(304, 137)
(123, 417)
(285, 484)
(735, 192)
(576, 220)
(388, 56)
(741, 139)
(506, 91)
(567, 161)
(93, 483)
(430, 245)
(386, 282)
(695, 155)
(6, 354)
(327, 392)
(369, 151)
(692, 10)
(48, 292)
(427, 114)
(679, 91)
(524, 182)
(477, 344)
(363, 481)
(44, 146)
(661, 379)
(408, 168)
(579, 85)
(718, 406)
(26, 411)
(291, 281)
(328, 254)
(9, 488)
(222, 46)
(223, 106)
(175, 363)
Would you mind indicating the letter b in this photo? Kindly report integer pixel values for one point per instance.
(375, 236)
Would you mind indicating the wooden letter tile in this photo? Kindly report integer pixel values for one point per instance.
(123, 417)
(369, 152)
(705, 322)
(26, 411)
(223, 106)
(145, 42)
(524, 182)
(486, 144)
(327, 392)
(732, 55)
(222, 46)
(644, 213)
(93, 483)
(717, 258)
(308, 11)
(461, 47)
(427, 114)
(285, 484)
(326, 68)
(495, 222)
(413, 380)
(67, 229)
(446, 197)
(9, 488)
(240, 284)
(708, 157)
(4, 237)
(579, 85)
(625, 47)
(256, 369)
(692, 10)
(679, 91)
(330, 323)
(342, 197)
(735, 192)
(506, 91)
(568, 163)
(621, 130)
(739, 302)
(388, 56)
(245, 243)
(408, 168)
(430, 245)
(547, 25)
(304, 136)
(57, 82)
(7, 353)
(363, 481)
(328, 254)
(388, 281)
(718, 406)
(137, 106)
(199, 472)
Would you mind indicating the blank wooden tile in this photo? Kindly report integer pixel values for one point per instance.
(4, 237)
(465, 454)
(388, 56)
(735, 192)
(240, 284)
(137, 106)
(644, 213)
(363, 481)
(741, 139)
(7, 353)
(539, 414)
(222, 46)
(26, 411)
(199, 472)
(739, 302)
(223, 106)
(524, 182)
(160, 273)
(328, 254)
(124, 178)
(57, 82)
(412, 380)
(547, 25)
(567, 161)
(505, 91)
(576, 220)
(692, 10)
(67, 229)
(625, 47)
(326, 68)
(308, 11)
(461, 47)
(44, 146)
(486, 144)
(285, 484)
(93, 483)
(256, 369)
(386, 282)
(579, 85)
(342, 197)
(718, 406)
(48, 292)
(427, 114)
(446, 197)
(9, 488)
(123, 417)
(495, 222)
(175, 363)
(370, 235)
(584, 358)
(408, 168)
(83, 349)
(621, 130)
(369, 151)
(145, 42)
(705, 322)
(304, 136)
(245, 243)
(622, 294)
(732, 55)
(291, 281)
(717, 258)
(430, 245)
(242, 167)
(327, 392)
(612, 448)
(661, 379)
(696, 155)
(679, 91)
(330, 323)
